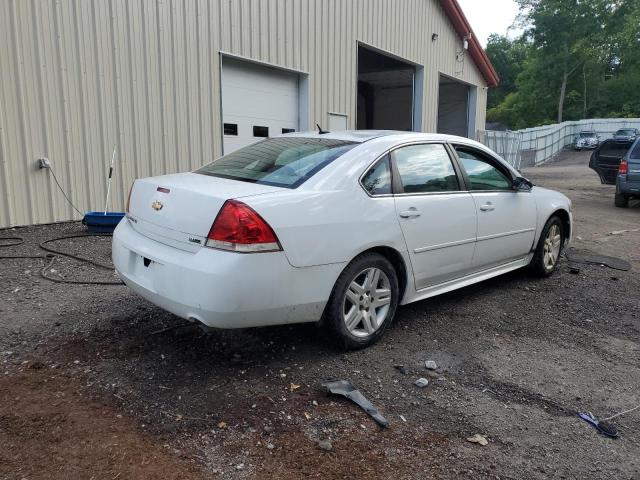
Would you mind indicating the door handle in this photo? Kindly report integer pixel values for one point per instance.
(487, 207)
(411, 213)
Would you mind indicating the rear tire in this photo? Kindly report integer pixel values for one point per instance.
(547, 254)
(621, 200)
(363, 302)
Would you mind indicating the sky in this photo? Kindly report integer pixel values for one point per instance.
(490, 16)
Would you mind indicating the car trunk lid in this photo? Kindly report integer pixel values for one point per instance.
(606, 159)
(179, 209)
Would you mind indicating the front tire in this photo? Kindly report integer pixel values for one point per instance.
(621, 200)
(363, 301)
(547, 254)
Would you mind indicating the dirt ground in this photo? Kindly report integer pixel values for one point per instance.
(92, 386)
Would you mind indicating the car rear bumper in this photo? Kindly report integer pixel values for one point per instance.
(625, 186)
(221, 289)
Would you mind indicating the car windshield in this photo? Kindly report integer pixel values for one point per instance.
(626, 131)
(282, 162)
(587, 134)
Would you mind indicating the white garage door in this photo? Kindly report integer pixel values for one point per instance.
(257, 102)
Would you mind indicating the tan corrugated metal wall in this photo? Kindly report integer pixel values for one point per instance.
(78, 76)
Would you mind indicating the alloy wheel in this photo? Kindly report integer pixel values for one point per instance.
(366, 302)
(552, 244)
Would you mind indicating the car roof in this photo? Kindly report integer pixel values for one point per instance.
(389, 138)
(361, 136)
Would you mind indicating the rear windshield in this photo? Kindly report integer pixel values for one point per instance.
(282, 162)
(614, 149)
(635, 153)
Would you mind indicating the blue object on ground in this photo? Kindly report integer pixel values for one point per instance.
(99, 222)
(604, 428)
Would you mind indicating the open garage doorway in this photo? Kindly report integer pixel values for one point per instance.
(387, 96)
(456, 108)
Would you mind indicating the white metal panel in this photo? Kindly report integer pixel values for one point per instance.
(257, 96)
(337, 122)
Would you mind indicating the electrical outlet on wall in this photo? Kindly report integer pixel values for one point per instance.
(44, 163)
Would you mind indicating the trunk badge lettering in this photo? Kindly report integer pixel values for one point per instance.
(157, 206)
(195, 240)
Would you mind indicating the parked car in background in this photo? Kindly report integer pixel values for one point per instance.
(606, 159)
(338, 228)
(628, 178)
(626, 134)
(586, 139)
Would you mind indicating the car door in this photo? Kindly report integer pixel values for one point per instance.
(437, 217)
(506, 217)
(605, 160)
(633, 164)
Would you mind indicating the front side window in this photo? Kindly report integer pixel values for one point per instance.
(282, 162)
(425, 169)
(377, 181)
(482, 174)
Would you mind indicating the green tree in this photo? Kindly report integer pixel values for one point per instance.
(564, 34)
(507, 57)
(581, 60)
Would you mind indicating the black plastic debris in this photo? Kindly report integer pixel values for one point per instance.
(346, 389)
(402, 369)
(590, 258)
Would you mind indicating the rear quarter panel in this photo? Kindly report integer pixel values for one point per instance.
(322, 227)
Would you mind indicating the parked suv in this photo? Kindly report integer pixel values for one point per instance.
(628, 179)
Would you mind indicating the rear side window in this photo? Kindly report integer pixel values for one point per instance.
(377, 181)
(282, 162)
(425, 169)
(480, 171)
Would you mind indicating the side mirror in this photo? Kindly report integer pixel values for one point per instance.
(521, 184)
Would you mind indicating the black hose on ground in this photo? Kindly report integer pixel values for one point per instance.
(16, 241)
(53, 254)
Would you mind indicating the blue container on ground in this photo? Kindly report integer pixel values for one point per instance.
(99, 222)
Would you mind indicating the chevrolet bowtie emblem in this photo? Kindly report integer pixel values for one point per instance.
(157, 206)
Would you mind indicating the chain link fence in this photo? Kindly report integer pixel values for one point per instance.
(535, 146)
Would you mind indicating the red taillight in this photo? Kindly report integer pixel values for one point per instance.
(623, 168)
(129, 197)
(240, 229)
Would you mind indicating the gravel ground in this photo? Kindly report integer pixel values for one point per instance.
(517, 358)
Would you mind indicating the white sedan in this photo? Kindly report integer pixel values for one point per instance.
(334, 227)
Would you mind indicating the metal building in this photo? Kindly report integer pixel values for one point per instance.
(175, 83)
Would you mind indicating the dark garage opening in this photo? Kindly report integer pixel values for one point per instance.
(453, 107)
(385, 92)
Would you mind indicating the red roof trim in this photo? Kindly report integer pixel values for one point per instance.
(479, 56)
